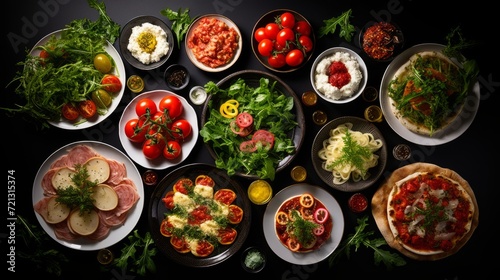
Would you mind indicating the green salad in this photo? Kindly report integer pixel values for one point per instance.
(272, 113)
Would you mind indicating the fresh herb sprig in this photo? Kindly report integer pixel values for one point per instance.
(142, 263)
(352, 153)
(343, 22)
(180, 22)
(301, 228)
(364, 237)
(78, 195)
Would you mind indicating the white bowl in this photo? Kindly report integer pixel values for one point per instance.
(362, 67)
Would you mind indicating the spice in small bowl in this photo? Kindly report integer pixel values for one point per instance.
(149, 177)
(177, 76)
(358, 203)
(253, 260)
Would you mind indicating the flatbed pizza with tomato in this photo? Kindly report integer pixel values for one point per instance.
(425, 211)
(200, 217)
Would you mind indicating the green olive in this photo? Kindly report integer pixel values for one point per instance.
(102, 63)
(101, 98)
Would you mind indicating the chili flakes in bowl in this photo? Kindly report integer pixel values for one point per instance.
(381, 40)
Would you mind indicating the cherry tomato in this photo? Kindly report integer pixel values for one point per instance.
(135, 130)
(87, 108)
(181, 129)
(279, 47)
(260, 34)
(102, 63)
(244, 120)
(294, 57)
(271, 30)
(144, 106)
(302, 27)
(111, 83)
(321, 215)
(306, 200)
(306, 43)
(153, 148)
(70, 112)
(172, 150)
(287, 20)
(265, 47)
(172, 104)
(285, 35)
(277, 60)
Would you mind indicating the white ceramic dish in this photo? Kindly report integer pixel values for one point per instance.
(118, 71)
(362, 68)
(190, 54)
(116, 234)
(270, 228)
(453, 131)
(134, 150)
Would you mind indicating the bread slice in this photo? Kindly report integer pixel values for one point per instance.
(105, 197)
(62, 178)
(56, 212)
(98, 169)
(83, 223)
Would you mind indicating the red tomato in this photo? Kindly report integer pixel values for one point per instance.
(153, 148)
(321, 215)
(238, 130)
(227, 235)
(144, 106)
(181, 129)
(172, 150)
(235, 214)
(279, 47)
(306, 43)
(244, 120)
(204, 248)
(319, 229)
(111, 83)
(87, 108)
(271, 30)
(285, 35)
(260, 34)
(226, 196)
(172, 104)
(302, 27)
(294, 58)
(287, 20)
(183, 185)
(168, 200)
(265, 137)
(135, 130)
(248, 146)
(277, 60)
(44, 54)
(204, 180)
(265, 47)
(70, 112)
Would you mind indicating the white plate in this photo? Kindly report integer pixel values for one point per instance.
(116, 234)
(190, 54)
(454, 130)
(119, 71)
(134, 150)
(270, 229)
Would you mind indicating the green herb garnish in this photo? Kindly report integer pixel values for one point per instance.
(300, 228)
(363, 237)
(343, 22)
(144, 261)
(180, 22)
(352, 153)
(78, 195)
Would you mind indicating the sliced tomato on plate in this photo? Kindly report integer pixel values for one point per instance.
(266, 138)
(226, 196)
(235, 215)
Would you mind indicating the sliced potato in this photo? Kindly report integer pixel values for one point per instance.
(105, 197)
(84, 223)
(62, 179)
(98, 169)
(56, 212)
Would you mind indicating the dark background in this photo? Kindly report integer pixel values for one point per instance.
(471, 155)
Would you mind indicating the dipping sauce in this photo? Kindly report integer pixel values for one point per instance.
(319, 117)
(298, 173)
(373, 113)
(149, 177)
(358, 203)
(198, 95)
(260, 192)
(135, 84)
(309, 98)
(105, 256)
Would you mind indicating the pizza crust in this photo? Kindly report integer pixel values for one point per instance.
(380, 200)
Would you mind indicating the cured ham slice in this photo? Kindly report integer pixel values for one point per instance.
(77, 155)
(48, 188)
(127, 196)
(118, 171)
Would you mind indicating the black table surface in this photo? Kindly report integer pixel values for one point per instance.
(471, 155)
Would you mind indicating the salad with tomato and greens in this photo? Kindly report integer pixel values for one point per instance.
(249, 128)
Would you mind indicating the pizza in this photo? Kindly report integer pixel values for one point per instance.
(427, 92)
(425, 211)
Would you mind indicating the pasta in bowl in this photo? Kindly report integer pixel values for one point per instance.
(349, 154)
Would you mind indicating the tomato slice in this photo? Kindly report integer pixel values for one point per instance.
(70, 112)
(239, 130)
(165, 228)
(87, 108)
(227, 235)
(168, 200)
(306, 200)
(248, 146)
(235, 215)
(204, 180)
(265, 137)
(226, 196)
(321, 215)
(183, 185)
(318, 230)
(244, 120)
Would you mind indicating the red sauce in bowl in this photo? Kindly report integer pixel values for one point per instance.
(358, 203)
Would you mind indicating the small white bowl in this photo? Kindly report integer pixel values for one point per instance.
(362, 68)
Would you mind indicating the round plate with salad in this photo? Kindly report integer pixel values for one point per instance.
(117, 70)
(252, 124)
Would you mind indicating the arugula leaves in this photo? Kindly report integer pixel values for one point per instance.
(180, 22)
(142, 263)
(363, 237)
(343, 22)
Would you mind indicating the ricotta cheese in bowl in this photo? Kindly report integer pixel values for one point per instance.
(339, 75)
(148, 43)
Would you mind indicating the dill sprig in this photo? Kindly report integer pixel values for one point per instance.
(352, 153)
(78, 195)
(301, 228)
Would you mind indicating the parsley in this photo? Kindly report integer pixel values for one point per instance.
(301, 228)
(352, 153)
(142, 263)
(343, 22)
(180, 22)
(363, 237)
(78, 195)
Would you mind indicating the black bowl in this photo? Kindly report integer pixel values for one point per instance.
(177, 76)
